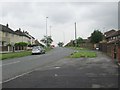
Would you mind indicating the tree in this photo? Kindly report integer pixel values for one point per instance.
(47, 40)
(96, 37)
(79, 41)
(60, 44)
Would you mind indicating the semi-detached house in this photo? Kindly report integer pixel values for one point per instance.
(8, 36)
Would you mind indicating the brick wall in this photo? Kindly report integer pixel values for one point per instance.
(118, 54)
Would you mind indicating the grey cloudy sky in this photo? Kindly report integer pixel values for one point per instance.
(31, 16)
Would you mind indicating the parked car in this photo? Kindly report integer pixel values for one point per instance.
(38, 50)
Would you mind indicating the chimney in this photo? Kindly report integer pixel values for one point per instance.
(7, 25)
(19, 29)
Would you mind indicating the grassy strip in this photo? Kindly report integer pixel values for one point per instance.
(18, 54)
(48, 49)
(82, 52)
(14, 55)
(86, 54)
(78, 48)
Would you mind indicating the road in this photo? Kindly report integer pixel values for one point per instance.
(55, 70)
(20, 66)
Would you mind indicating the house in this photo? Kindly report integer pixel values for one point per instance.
(7, 35)
(8, 38)
(39, 43)
(109, 32)
(111, 44)
(32, 39)
(113, 40)
(23, 37)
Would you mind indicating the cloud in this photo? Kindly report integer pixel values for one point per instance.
(31, 16)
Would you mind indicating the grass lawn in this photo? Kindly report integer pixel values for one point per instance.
(86, 54)
(14, 55)
(48, 49)
(78, 48)
(82, 52)
(18, 54)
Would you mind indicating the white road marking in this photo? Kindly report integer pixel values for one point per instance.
(10, 63)
(16, 77)
(57, 67)
(56, 75)
(95, 86)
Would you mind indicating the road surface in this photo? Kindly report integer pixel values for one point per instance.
(55, 70)
(14, 67)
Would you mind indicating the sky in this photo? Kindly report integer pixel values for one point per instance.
(31, 16)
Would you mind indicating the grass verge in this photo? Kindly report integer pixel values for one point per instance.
(78, 48)
(82, 52)
(14, 55)
(18, 54)
(86, 54)
(48, 49)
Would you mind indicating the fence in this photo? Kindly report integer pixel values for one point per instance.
(111, 49)
(11, 48)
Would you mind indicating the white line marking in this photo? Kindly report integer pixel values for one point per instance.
(56, 75)
(16, 77)
(9, 63)
(57, 67)
(95, 86)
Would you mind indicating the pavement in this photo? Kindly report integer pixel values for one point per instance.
(99, 72)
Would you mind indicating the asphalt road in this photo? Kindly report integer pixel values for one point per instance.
(54, 70)
(19, 66)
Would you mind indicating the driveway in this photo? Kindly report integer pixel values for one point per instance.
(99, 72)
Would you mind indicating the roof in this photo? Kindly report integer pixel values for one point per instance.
(109, 32)
(19, 32)
(26, 33)
(116, 33)
(6, 29)
(39, 43)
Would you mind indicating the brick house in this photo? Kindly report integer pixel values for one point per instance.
(111, 44)
(113, 40)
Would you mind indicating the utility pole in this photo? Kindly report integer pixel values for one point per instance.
(46, 32)
(50, 30)
(64, 37)
(75, 36)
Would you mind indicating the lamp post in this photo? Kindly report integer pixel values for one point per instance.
(46, 31)
(50, 30)
(75, 36)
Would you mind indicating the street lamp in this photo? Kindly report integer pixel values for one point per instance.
(46, 31)
(50, 30)
(75, 35)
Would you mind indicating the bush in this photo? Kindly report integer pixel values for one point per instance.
(21, 44)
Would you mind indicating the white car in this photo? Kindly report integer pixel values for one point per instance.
(38, 50)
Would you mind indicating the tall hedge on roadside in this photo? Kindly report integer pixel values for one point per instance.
(21, 44)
